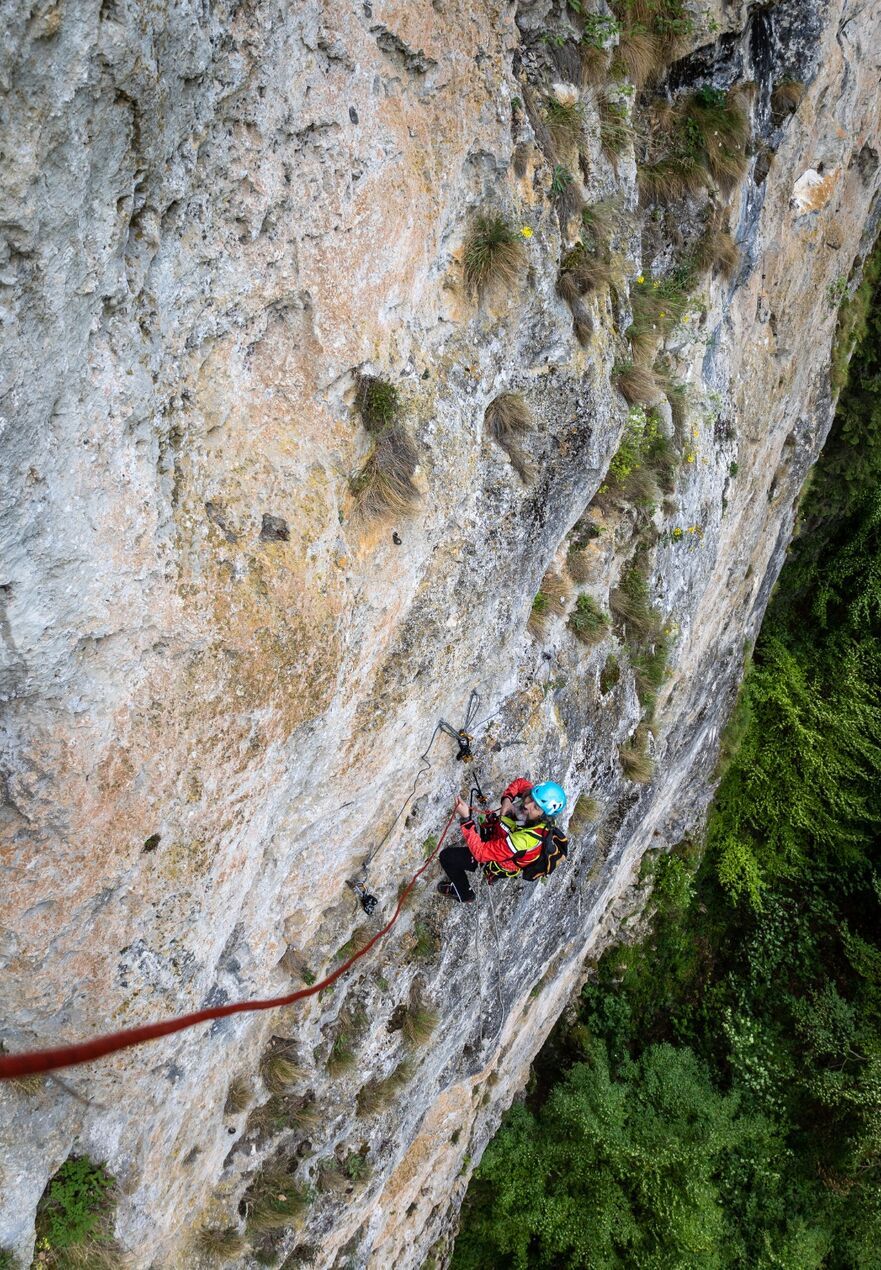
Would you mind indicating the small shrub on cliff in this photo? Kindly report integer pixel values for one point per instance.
(584, 813)
(378, 402)
(75, 1211)
(493, 252)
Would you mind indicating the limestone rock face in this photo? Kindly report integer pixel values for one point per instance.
(219, 679)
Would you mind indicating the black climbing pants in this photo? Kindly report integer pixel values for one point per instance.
(455, 862)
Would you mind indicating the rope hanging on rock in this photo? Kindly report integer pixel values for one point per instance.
(36, 1061)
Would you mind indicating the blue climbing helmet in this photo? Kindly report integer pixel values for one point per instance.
(550, 796)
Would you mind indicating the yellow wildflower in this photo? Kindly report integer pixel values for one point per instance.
(641, 279)
(526, 231)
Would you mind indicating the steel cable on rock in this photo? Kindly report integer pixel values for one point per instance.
(35, 1061)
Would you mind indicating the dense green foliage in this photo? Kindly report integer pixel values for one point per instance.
(717, 1100)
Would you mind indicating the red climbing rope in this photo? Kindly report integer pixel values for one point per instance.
(69, 1055)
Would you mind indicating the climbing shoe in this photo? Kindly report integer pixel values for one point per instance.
(447, 888)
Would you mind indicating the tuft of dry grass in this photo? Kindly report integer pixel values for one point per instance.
(238, 1096)
(600, 220)
(637, 55)
(716, 249)
(786, 98)
(507, 420)
(670, 179)
(550, 600)
(616, 130)
(582, 325)
(376, 1094)
(280, 1074)
(717, 129)
(331, 1178)
(220, 1243)
(641, 489)
(493, 253)
(385, 487)
(564, 119)
(637, 384)
(419, 1022)
(580, 565)
(584, 813)
(635, 764)
(584, 270)
(595, 63)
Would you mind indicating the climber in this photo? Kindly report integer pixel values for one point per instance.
(506, 844)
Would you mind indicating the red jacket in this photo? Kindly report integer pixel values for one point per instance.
(498, 841)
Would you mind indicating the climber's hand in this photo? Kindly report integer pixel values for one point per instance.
(462, 808)
(506, 808)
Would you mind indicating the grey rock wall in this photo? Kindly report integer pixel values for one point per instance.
(212, 218)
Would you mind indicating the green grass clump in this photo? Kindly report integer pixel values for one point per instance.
(75, 1210)
(378, 402)
(342, 1054)
(587, 621)
(427, 944)
(493, 252)
(640, 433)
(273, 1200)
(356, 1166)
(630, 603)
(377, 1094)
(561, 179)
